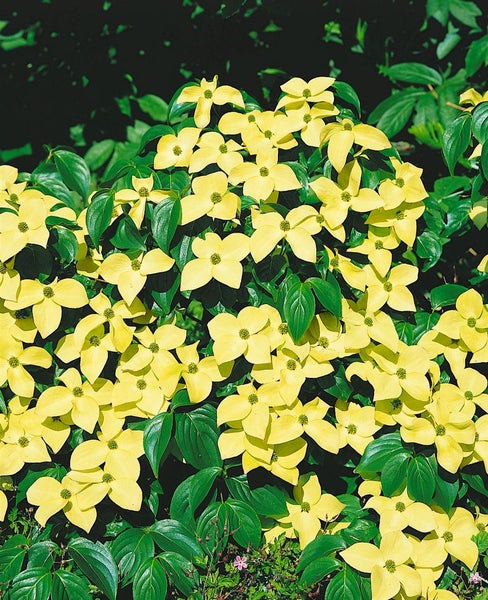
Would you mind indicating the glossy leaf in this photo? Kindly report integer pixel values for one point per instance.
(99, 153)
(74, 171)
(165, 219)
(99, 215)
(97, 563)
(413, 72)
(244, 523)
(190, 494)
(343, 585)
(157, 435)
(446, 294)
(69, 586)
(321, 546)
(299, 309)
(197, 435)
(150, 581)
(379, 452)
(455, 140)
(328, 293)
(32, 584)
(181, 571)
(173, 536)
(394, 474)
(131, 549)
(421, 479)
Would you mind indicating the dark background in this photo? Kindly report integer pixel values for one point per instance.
(80, 57)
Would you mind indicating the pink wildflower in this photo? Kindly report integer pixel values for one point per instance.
(240, 562)
(475, 578)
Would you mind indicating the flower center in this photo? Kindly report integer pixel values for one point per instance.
(94, 340)
(307, 118)
(390, 566)
(207, 94)
(305, 507)
(378, 245)
(345, 196)
(77, 391)
(112, 445)
(306, 93)
(108, 313)
(252, 398)
(400, 506)
(107, 478)
(48, 291)
(283, 328)
(223, 149)
(471, 322)
(177, 150)
(154, 348)
(244, 334)
(268, 134)
(400, 215)
(468, 395)
(65, 494)
(13, 198)
(141, 384)
(264, 171)
(143, 192)
(215, 258)
(216, 198)
(23, 441)
(352, 429)
(135, 264)
(448, 537)
(440, 430)
(387, 286)
(13, 362)
(401, 373)
(368, 321)
(334, 263)
(251, 118)
(399, 182)
(23, 227)
(323, 342)
(285, 225)
(192, 368)
(291, 364)
(303, 419)
(396, 404)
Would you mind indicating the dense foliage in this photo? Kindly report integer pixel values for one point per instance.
(245, 348)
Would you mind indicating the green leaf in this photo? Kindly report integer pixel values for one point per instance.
(451, 40)
(173, 536)
(392, 114)
(321, 546)
(446, 491)
(359, 530)
(347, 93)
(299, 309)
(394, 474)
(131, 549)
(65, 244)
(484, 160)
(267, 500)
(150, 581)
(421, 479)
(99, 153)
(11, 560)
(465, 11)
(41, 554)
(479, 124)
(32, 584)
(328, 294)
(320, 568)
(127, 236)
(413, 72)
(428, 245)
(157, 434)
(446, 294)
(477, 55)
(197, 436)
(181, 571)
(154, 106)
(455, 140)
(74, 171)
(244, 523)
(439, 10)
(69, 586)
(190, 494)
(97, 563)
(164, 222)
(99, 214)
(379, 452)
(477, 482)
(213, 528)
(343, 585)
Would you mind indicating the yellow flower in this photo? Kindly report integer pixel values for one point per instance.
(480, 446)
(13, 357)
(388, 565)
(450, 537)
(282, 462)
(176, 150)
(27, 226)
(117, 480)
(309, 120)
(297, 228)
(400, 511)
(264, 176)
(130, 275)
(406, 187)
(216, 259)
(211, 197)
(341, 136)
(20, 444)
(363, 325)
(472, 98)
(9, 280)
(214, 149)
(377, 247)
(76, 398)
(338, 198)
(309, 507)
(402, 219)
(51, 496)
(448, 430)
(390, 288)
(206, 94)
(139, 394)
(240, 335)
(124, 444)
(273, 130)
(249, 408)
(297, 91)
(325, 337)
(47, 301)
(352, 274)
(309, 418)
(356, 424)
(142, 192)
(199, 374)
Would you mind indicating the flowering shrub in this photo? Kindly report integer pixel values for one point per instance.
(242, 334)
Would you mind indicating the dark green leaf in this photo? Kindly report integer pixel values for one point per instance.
(32, 584)
(171, 535)
(127, 236)
(328, 294)
(421, 479)
(484, 160)
(379, 452)
(347, 93)
(131, 549)
(394, 474)
(157, 435)
(320, 568)
(439, 10)
(97, 563)
(392, 114)
(190, 494)
(477, 482)
(446, 294)
(446, 490)
(150, 581)
(267, 500)
(299, 309)
(65, 244)
(41, 554)
(479, 124)
(359, 530)
(343, 585)
(477, 55)
(244, 523)
(99, 214)
(11, 560)
(451, 40)
(74, 171)
(413, 72)
(197, 436)
(428, 245)
(465, 11)
(69, 586)
(455, 140)
(99, 153)
(181, 571)
(213, 528)
(321, 546)
(154, 106)
(164, 222)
